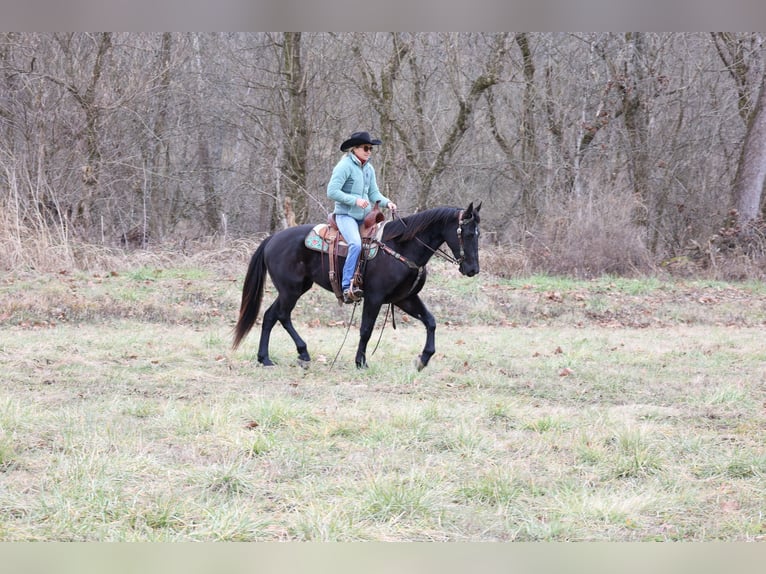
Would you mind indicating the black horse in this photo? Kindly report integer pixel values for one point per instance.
(395, 275)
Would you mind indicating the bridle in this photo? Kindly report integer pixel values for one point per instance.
(438, 251)
(460, 223)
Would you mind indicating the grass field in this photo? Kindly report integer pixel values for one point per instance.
(553, 410)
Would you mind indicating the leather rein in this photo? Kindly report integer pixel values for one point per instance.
(438, 251)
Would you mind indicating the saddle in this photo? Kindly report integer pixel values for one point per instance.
(326, 237)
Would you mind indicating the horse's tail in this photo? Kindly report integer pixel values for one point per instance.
(252, 294)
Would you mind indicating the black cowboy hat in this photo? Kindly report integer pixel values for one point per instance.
(358, 138)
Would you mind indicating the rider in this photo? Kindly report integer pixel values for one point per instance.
(355, 191)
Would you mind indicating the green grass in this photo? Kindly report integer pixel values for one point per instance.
(558, 419)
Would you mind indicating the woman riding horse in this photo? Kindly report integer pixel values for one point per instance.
(395, 276)
(354, 189)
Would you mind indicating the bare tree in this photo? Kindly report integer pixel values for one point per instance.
(751, 171)
(161, 135)
(428, 143)
(85, 92)
(740, 54)
(742, 57)
(296, 134)
(156, 200)
(211, 200)
(526, 165)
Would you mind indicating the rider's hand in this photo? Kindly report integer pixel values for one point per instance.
(391, 206)
(363, 203)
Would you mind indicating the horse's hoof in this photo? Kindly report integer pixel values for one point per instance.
(419, 364)
(304, 363)
(266, 362)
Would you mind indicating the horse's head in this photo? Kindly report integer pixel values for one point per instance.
(465, 243)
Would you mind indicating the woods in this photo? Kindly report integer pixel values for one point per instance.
(593, 153)
(599, 379)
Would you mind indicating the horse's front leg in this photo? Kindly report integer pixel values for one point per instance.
(415, 307)
(369, 316)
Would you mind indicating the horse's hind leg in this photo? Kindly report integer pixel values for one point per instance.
(300, 344)
(269, 320)
(280, 310)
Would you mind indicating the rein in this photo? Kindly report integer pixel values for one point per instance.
(348, 328)
(438, 251)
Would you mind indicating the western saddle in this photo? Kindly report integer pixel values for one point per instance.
(327, 238)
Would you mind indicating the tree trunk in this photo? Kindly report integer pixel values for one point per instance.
(85, 214)
(731, 50)
(295, 129)
(529, 159)
(751, 170)
(211, 201)
(635, 97)
(157, 201)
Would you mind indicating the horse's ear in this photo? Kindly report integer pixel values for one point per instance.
(471, 208)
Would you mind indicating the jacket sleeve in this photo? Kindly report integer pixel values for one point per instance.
(374, 193)
(335, 185)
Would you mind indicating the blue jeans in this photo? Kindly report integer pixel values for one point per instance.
(349, 228)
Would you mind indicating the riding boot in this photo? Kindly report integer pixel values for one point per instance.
(348, 296)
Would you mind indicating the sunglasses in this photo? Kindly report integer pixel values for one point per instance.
(367, 148)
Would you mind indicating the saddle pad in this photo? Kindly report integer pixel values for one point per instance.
(314, 241)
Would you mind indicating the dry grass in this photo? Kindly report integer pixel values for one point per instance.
(554, 409)
(133, 431)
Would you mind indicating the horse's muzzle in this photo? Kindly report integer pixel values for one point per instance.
(469, 270)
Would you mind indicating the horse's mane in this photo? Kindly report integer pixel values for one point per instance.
(408, 227)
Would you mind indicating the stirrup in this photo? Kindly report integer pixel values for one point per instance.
(349, 296)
